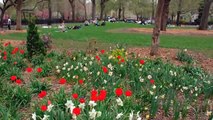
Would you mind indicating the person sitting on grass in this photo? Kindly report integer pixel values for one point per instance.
(76, 27)
(62, 27)
(86, 23)
(103, 23)
(96, 22)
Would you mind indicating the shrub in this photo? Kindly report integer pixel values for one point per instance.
(35, 46)
(184, 57)
(37, 87)
(38, 60)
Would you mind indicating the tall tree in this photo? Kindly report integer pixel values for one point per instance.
(102, 5)
(18, 4)
(50, 12)
(6, 4)
(165, 15)
(205, 15)
(83, 3)
(93, 9)
(72, 3)
(156, 29)
(200, 11)
(153, 9)
(179, 12)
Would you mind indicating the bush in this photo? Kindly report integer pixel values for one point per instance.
(37, 60)
(37, 87)
(35, 46)
(184, 57)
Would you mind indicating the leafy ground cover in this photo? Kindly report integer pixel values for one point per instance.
(103, 85)
(102, 35)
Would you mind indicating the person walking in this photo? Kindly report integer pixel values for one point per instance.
(9, 23)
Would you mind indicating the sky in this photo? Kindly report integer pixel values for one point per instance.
(1, 1)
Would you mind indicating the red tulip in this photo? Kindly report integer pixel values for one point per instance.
(75, 96)
(119, 92)
(152, 82)
(128, 93)
(13, 78)
(76, 111)
(39, 70)
(142, 62)
(62, 81)
(43, 108)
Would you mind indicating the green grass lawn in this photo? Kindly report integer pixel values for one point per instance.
(100, 34)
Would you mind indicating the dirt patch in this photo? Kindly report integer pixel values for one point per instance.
(14, 43)
(168, 54)
(170, 31)
(5, 32)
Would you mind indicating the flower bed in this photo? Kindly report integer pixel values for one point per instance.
(105, 86)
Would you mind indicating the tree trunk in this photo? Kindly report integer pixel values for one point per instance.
(137, 17)
(153, 9)
(173, 17)
(179, 12)
(102, 11)
(85, 11)
(93, 9)
(156, 29)
(1, 19)
(123, 13)
(72, 3)
(205, 15)
(119, 13)
(165, 15)
(73, 12)
(50, 13)
(18, 15)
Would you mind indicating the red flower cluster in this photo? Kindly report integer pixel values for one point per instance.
(62, 81)
(14, 78)
(5, 55)
(101, 97)
(42, 94)
(98, 58)
(105, 69)
(15, 50)
(119, 92)
(6, 44)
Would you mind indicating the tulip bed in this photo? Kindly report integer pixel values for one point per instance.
(107, 85)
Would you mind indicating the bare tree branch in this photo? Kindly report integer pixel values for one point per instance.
(34, 6)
